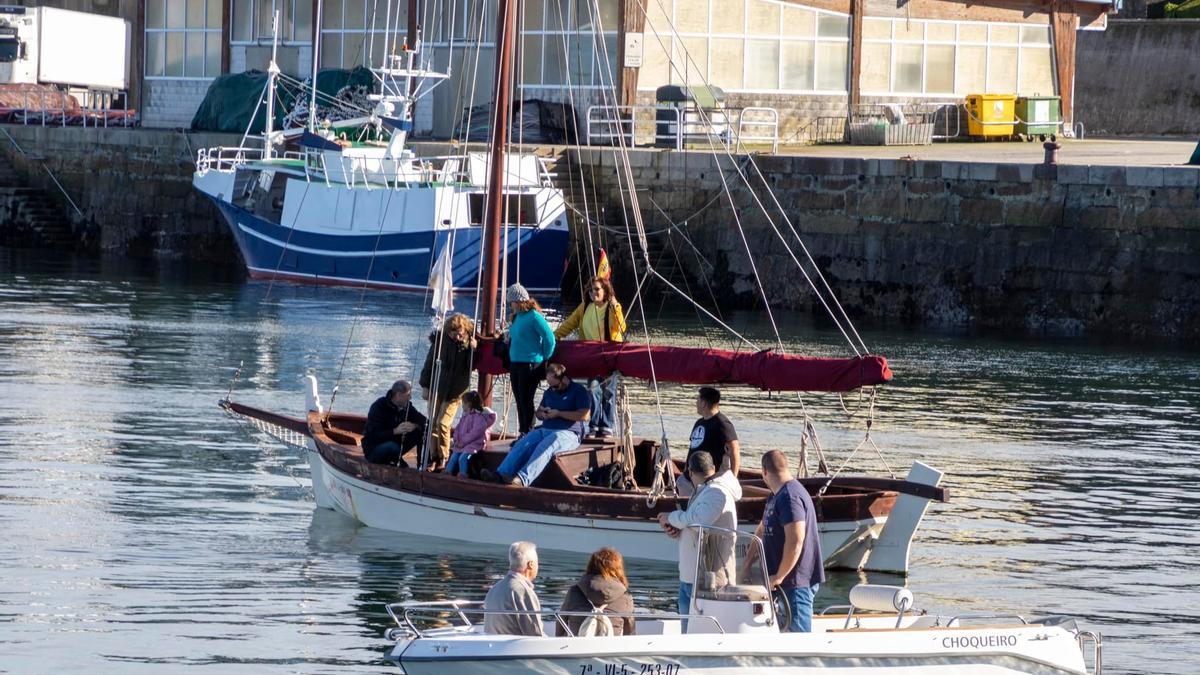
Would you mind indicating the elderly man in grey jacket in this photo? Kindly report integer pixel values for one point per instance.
(515, 593)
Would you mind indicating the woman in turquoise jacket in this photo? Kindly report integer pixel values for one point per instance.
(530, 344)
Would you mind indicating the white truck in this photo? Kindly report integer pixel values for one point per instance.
(72, 50)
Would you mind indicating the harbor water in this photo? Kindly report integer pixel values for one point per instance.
(145, 531)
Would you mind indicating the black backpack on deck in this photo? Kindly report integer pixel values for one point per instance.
(607, 476)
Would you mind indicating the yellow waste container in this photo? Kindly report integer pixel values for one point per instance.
(991, 114)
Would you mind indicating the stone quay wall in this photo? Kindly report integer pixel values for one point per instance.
(1084, 250)
(133, 187)
(1090, 249)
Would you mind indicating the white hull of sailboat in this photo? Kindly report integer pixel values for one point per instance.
(847, 542)
(910, 651)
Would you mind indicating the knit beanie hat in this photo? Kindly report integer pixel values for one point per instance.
(516, 293)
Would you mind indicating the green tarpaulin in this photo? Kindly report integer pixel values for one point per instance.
(233, 98)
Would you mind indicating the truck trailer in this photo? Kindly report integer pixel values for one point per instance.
(71, 50)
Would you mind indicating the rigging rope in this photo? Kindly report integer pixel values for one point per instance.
(867, 441)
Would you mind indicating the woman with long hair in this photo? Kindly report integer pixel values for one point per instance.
(530, 344)
(601, 318)
(602, 588)
(454, 346)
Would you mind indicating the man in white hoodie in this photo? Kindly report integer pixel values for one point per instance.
(713, 504)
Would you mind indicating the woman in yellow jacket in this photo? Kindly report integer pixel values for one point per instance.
(600, 319)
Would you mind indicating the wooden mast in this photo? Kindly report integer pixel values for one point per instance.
(506, 28)
(412, 24)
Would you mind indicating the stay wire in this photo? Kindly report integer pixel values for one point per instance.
(704, 118)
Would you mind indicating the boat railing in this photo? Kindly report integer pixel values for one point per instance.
(224, 159)
(407, 614)
(395, 173)
(726, 541)
(958, 618)
(1085, 636)
(545, 175)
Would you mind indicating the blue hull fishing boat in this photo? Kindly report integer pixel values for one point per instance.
(358, 207)
(397, 260)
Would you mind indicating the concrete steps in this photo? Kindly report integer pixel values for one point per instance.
(28, 216)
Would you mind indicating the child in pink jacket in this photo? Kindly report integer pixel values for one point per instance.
(470, 434)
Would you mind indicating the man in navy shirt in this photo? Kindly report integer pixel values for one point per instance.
(791, 540)
(564, 411)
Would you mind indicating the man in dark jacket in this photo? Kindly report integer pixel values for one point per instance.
(393, 427)
(451, 355)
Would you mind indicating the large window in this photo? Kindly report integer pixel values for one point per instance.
(361, 32)
(183, 38)
(745, 45)
(252, 21)
(569, 42)
(902, 56)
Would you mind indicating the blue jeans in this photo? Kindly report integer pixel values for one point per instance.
(685, 602)
(801, 598)
(457, 464)
(604, 403)
(387, 452)
(530, 455)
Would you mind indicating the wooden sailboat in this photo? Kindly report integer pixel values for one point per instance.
(866, 522)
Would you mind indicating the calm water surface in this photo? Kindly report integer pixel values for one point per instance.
(145, 531)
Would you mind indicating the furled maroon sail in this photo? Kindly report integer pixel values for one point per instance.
(767, 369)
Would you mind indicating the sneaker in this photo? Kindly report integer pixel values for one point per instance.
(516, 481)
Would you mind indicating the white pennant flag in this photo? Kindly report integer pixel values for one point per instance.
(441, 282)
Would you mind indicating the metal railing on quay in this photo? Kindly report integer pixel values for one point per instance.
(607, 124)
(672, 127)
(945, 112)
(95, 111)
(767, 124)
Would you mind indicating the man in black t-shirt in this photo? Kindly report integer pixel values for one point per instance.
(713, 433)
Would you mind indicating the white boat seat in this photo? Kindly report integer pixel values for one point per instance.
(738, 593)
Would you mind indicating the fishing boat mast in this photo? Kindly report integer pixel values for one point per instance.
(494, 214)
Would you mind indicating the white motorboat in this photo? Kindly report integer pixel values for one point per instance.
(734, 626)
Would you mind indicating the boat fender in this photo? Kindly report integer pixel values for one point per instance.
(312, 397)
(881, 598)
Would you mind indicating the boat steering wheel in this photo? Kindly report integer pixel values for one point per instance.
(783, 609)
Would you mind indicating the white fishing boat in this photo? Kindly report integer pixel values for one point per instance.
(735, 626)
(352, 204)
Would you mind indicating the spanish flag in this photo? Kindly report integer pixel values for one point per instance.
(603, 270)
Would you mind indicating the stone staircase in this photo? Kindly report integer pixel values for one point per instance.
(668, 252)
(29, 217)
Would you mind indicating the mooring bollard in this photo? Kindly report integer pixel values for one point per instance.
(1052, 149)
(1048, 169)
